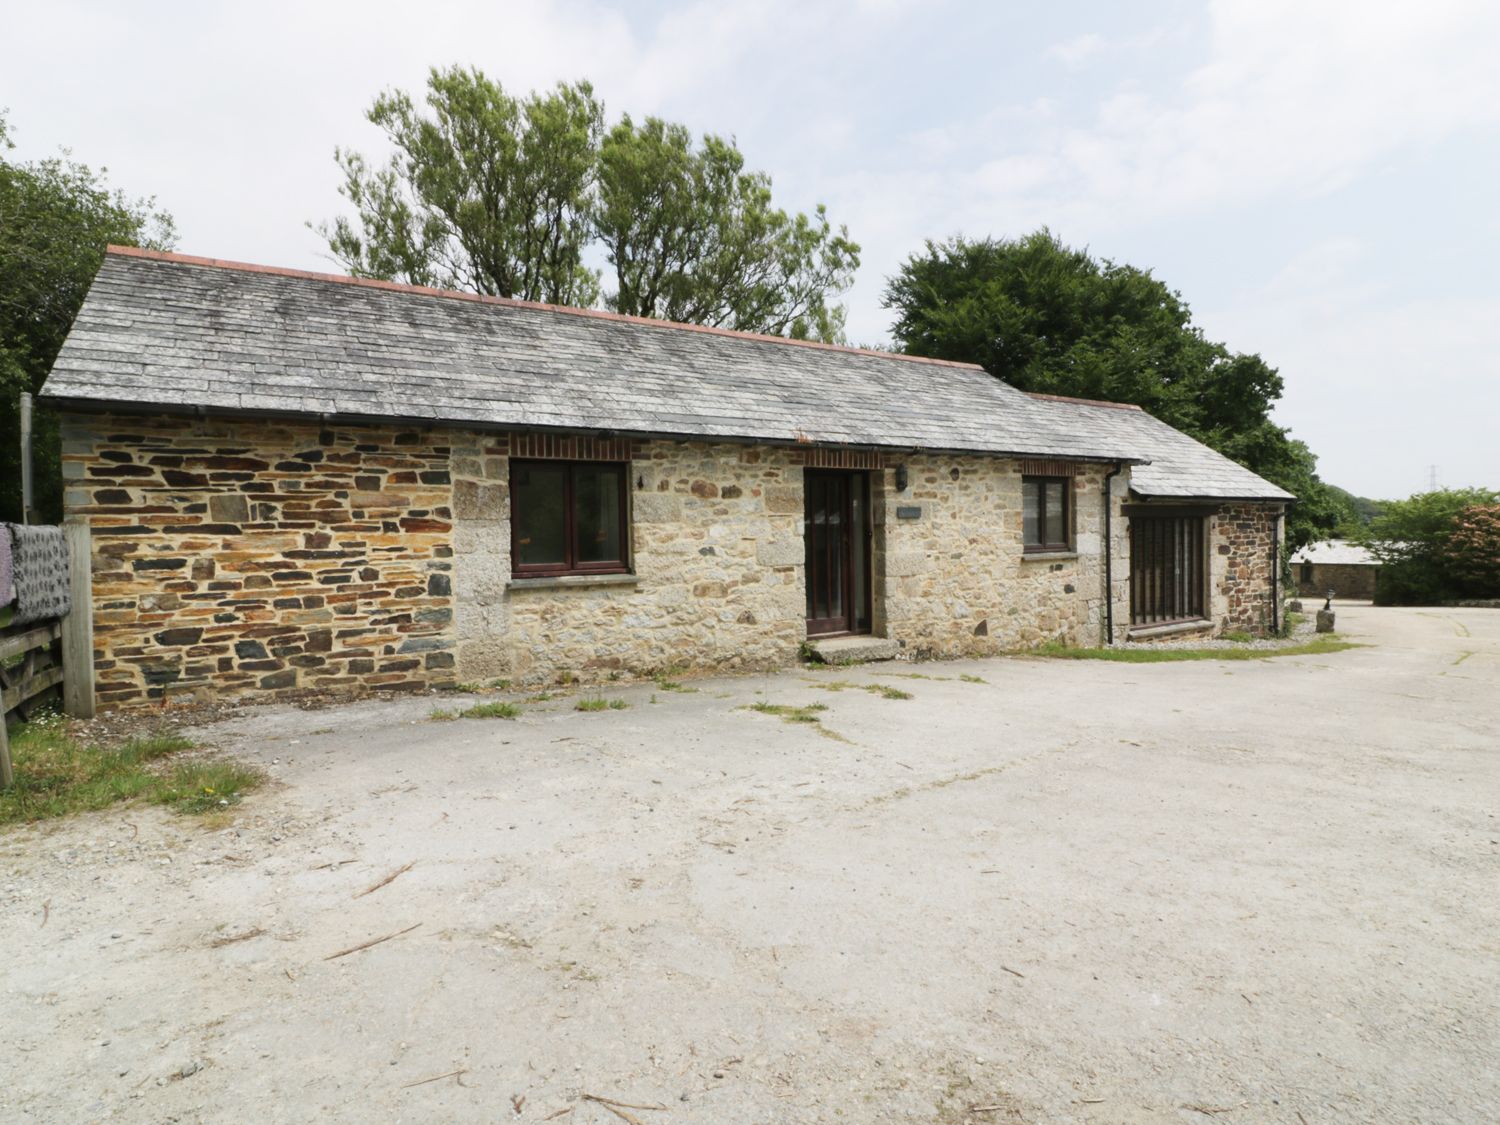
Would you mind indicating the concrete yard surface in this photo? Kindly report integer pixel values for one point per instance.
(1256, 891)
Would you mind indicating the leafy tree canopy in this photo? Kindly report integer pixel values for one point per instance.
(1049, 318)
(1437, 546)
(1363, 508)
(506, 196)
(56, 217)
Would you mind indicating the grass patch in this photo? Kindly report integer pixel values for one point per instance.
(968, 679)
(874, 689)
(205, 786)
(790, 714)
(440, 715)
(595, 703)
(1145, 654)
(56, 776)
(1238, 636)
(497, 710)
(808, 715)
(673, 685)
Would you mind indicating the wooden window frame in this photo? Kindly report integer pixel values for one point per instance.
(1043, 547)
(570, 564)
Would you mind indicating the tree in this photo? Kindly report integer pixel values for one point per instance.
(505, 196)
(1049, 318)
(693, 237)
(1474, 550)
(56, 217)
(1424, 559)
(1363, 508)
(490, 193)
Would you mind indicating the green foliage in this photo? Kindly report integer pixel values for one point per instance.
(487, 193)
(1474, 549)
(1361, 508)
(496, 710)
(503, 196)
(788, 713)
(1147, 654)
(1437, 546)
(56, 776)
(56, 217)
(205, 786)
(694, 237)
(590, 703)
(1048, 318)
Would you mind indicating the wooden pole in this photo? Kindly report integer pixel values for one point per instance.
(26, 501)
(7, 773)
(78, 625)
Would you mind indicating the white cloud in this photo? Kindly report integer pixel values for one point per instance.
(1380, 384)
(1076, 53)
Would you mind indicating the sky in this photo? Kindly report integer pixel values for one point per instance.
(1318, 178)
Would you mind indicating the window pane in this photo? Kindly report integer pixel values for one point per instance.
(537, 508)
(1057, 511)
(1031, 531)
(596, 502)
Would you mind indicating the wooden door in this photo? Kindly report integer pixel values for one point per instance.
(837, 542)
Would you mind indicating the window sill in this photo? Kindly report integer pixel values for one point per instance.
(1173, 629)
(567, 581)
(1047, 556)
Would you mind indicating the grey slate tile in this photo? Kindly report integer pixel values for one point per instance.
(181, 333)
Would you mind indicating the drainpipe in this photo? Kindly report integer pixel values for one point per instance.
(1109, 554)
(1276, 574)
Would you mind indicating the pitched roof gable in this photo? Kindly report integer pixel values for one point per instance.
(171, 332)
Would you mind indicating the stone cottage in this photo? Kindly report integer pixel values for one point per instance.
(1337, 568)
(299, 483)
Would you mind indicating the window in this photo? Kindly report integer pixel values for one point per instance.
(1168, 568)
(1046, 523)
(568, 517)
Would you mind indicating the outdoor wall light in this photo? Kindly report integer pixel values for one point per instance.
(902, 478)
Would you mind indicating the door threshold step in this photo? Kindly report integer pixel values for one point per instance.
(853, 650)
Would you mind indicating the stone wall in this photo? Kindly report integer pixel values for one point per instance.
(955, 580)
(1345, 580)
(259, 558)
(717, 556)
(1241, 564)
(278, 559)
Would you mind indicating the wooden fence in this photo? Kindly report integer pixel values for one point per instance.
(44, 660)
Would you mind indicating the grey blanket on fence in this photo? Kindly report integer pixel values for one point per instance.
(7, 583)
(40, 562)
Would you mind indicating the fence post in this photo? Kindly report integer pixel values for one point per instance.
(26, 466)
(7, 774)
(78, 625)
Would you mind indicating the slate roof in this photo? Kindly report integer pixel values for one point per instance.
(1336, 552)
(1180, 467)
(171, 332)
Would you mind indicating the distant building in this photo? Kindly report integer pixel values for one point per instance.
(1346, 568)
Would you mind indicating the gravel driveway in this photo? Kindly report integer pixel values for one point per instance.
(1076, 891)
